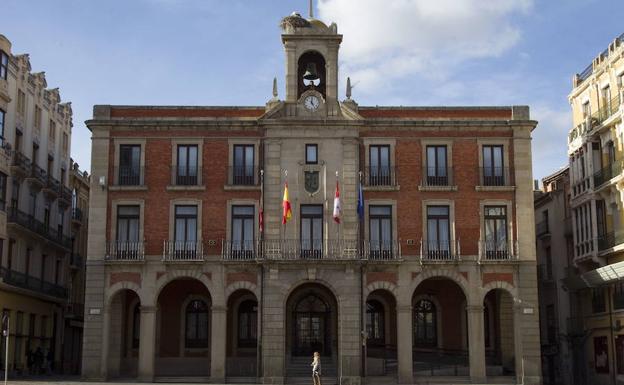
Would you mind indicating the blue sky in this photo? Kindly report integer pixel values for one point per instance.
(397, 52)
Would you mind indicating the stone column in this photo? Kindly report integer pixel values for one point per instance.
(404, 344)
(147, 344)
(217, 343)
(105, 346)
(476, 343)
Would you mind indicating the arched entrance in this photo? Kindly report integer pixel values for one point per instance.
(311, 326)
(242, 334)
(439, 329)
(498, 324)
(381, 334)
(124, 332)
(183, 330)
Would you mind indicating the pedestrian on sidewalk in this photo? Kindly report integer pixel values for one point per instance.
(316, 369)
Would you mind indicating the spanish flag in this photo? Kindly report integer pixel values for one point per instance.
(286, 205)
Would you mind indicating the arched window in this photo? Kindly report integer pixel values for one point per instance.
(375, 317)
(425, 324)
(136, 325)
(196, 335)
(247, 324)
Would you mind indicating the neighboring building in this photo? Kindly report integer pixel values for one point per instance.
(437, 281)
(595, 146)
(555, 255)
(35, 202)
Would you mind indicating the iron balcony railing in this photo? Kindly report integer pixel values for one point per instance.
(607, 173)
(65, 194)
(586, 73)
(495, 176)
(243, 176)
(21, 162)
(380, 176)
(183, 251)
(125, 251)
(184, 175)
(501, 250)
(76, 261)
(74, 310)
(29, 222)
(76, 214)
(544, 273)
(541, 228)
(437, 176)
(129, 176)
(439, 250)
(53, 184)
(606, 110)
(28, 282)
(39, 174)
(607, 241)
(296, 249)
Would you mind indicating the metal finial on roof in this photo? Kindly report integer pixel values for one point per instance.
(311, 9)
(348, 88)
(275, 87)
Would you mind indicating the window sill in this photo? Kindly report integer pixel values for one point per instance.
(495, 188)
(186, 188)
(382, 188)
(232, 187)
(128, 188)
(437, 188)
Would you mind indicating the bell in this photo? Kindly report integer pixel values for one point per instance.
(311, 73)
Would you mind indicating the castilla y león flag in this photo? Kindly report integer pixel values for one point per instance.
(286, 205)
(337, 208)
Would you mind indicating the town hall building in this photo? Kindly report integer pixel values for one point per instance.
(430, 274)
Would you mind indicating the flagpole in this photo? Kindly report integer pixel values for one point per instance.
(6, 353)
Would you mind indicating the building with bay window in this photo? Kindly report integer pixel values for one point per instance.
(429, 276)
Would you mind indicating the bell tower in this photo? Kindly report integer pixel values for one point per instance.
(311, 49)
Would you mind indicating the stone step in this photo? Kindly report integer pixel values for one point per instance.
(308, 380)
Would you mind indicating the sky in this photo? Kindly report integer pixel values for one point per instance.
(397, 52)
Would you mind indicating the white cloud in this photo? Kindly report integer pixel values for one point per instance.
(393, 39)
(549, 145)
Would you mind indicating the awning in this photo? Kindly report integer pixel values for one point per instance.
(595, 278)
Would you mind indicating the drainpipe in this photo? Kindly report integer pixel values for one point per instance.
(612, 344)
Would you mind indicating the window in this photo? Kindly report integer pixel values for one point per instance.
(57, 272)
(33, 204)
(247, 324)
(375, 317)
(311, 154)
(311, 231)
(618, 296)
(43, 266)
(438, 232)
(65, 143)
(130, 165)
(437, 173)
(425, 324)
(4, 65)
(493, 171)
(136, 326)
(619, 353)
(379, 166)
(188, 166)
(243, 169)
(496, 241)
(37, 118)
(601, 355)
(196, 335)
(380, 227)
(185, 231)
(44, 327)
(242, 231)
(127, 227)
(3, 188)
(2, 119)
(46, 215)
(21, 102)
(598, 301)
(586, 108)
(551, 324)
(52, 131)
(19, 330)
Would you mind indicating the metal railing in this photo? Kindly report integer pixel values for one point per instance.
(129, 176)
(495, 176)
(544, 273)
(379, 250)
(53, 184)
(76, 261)
(502, 250)
(125, 251)
(541, 228)
(605, 111)
(183, 251)
(607, 241)
(39, 174)
(607, 173)
(380, 176)
(437, 176)
(586, 73)
(183, 175)
(29, 222)
(239, 250)
(243, 176)
(74, 310)
(439, 250)
(76, 214)
(21, 161)
(65, 194)
(28, 282)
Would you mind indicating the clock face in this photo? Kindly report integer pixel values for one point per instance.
(311, 103)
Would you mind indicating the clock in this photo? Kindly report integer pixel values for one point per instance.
(311, 103)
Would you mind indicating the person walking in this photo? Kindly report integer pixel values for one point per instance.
(316, 368)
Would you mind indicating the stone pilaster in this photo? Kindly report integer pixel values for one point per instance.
(404, 344)
(218, 340)
(147, 344)
(476, 343)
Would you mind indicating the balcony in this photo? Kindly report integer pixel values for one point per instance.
(74, 310)
(608, 241)
(497, 251)
(21, 166)
(239, 250)
(65, 196)
(580, 187)
(76, 216)
(38, 177)
(439, 250)
(129, 176)
(186, 175)
(183, 251)
(52, 188)
(437, 178)
(495, 177)
(243, 176)
(76, 261)
(544, 273)
(130, 251)
(542, 229)
(25, 281)
(607, 173)
(608, 109)
(380, 177)
(33, 225)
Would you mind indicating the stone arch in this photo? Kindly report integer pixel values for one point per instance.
(505, 286)
(295, 285)
(118, 287)
(382, 285)
(240, 285)
(450, 274)
(168, 277)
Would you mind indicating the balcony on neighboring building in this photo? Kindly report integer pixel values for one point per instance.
(380, 177)
(32, 225)
(607, 173)
(65, 196)
(37, 178)
(183, 251)
(542, 229)
(606, 110)
(21, 166)
(129, 176)
(608, 241)
(25, 281)
(130, 251)
(437, 178)
(76, 261)
(243, 176)
(74, 310)
(493, 251)
(184, 175)
(52, 188)
(439, 250)
(544, 273)
(76, 216)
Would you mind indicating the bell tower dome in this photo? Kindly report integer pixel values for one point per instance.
(311, 49)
